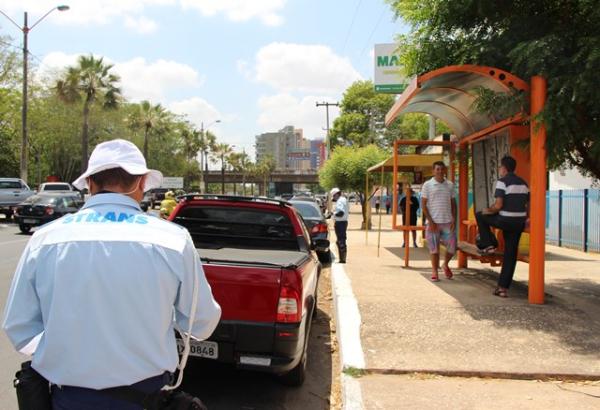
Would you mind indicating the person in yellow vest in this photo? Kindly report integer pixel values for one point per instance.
(167, 205)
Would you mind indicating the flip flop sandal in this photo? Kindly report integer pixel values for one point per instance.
(487, 251)
(435, 278)
(448, 273)
(501, 293)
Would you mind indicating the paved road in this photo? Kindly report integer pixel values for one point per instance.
(221, 387)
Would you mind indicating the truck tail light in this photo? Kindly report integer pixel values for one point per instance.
(288, 308)
(49, 210)
(319, 228)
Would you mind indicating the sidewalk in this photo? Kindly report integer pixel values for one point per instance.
(421, 340)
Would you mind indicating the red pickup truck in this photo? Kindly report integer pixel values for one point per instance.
(259, 260)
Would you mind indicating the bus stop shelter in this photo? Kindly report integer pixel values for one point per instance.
(448, 94)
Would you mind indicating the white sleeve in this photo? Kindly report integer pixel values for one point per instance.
(425, 190)
(208, 311)
(23, 314)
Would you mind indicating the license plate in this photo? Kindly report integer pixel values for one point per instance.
(30, 221)
(206, 349)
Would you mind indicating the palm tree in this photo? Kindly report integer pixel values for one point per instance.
(207, 143)
(264, 169)
(220, 152)
(149, 117)
(241, 163)
(91, 82)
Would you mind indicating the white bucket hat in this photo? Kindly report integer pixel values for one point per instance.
(119, 154)
(334, 191)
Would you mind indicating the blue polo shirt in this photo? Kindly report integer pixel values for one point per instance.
(105, 288)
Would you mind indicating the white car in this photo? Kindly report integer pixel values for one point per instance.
(56, 187)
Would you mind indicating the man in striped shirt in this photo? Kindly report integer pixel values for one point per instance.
(508, 213)
(439, 207)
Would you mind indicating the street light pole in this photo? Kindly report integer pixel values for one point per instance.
(25, 135)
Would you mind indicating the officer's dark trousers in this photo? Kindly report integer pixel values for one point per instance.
(511, 230)
(340, 234)
(81, 398)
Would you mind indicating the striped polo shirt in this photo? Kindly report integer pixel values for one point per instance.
(439, 197)
(515, 196)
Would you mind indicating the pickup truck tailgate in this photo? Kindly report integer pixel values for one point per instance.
(246, 282)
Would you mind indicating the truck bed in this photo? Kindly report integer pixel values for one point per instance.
(271, 258)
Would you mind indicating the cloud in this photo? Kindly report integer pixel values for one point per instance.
(140, 80)
(284, 109)
(88, 12)
(142, 24)
(303, 68)
(197, 110)
(266, 11)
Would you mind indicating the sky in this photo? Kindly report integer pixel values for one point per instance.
(255, 65)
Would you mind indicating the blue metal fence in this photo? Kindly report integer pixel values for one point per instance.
(573, 219)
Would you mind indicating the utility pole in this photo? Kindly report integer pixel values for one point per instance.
(25, 135)
(328, 140)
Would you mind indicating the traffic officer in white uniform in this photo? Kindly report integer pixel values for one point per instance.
(101, 291)
(340, 216)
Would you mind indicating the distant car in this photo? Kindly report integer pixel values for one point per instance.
(45, 207)
(146, 201)
(316, 225)
(286, 196)
(156, 196)
(56, 186)
(12, 192)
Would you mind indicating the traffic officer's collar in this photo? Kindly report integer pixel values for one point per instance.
(112, 199)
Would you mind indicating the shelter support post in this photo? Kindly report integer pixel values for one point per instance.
(463, 200)
(537, 204)
(395, 186)
(407, 221)
(380, 213)
(366, 208)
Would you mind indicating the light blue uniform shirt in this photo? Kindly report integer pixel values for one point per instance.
(105, 285)
(341, 205)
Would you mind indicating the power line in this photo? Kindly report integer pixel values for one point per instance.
(351, 25)
(373, 32)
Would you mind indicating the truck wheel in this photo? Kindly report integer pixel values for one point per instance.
(324, 258)
(296, 376)
(24, 228)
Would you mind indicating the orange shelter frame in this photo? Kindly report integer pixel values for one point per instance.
(446, 94)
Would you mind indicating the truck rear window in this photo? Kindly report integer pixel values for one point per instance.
(236, 227)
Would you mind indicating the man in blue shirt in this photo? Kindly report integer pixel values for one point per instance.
(97, 294)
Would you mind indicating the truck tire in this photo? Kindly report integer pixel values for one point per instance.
(24, 228)
(296, 376)
(324, 258)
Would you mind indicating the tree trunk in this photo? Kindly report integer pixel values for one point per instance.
(146, 143)
(243, 185)
(84, 136)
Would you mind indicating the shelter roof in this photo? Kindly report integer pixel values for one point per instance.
(408, 163)
(449, 92)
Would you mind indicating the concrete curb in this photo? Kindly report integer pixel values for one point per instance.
(348, 336)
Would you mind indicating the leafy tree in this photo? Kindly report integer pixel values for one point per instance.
(347, 170)
(89, 81)
(220, 153)
(240, 162)
(149, 117)
(263, 169)
(558, 39)
(10, 109)
(361, 117)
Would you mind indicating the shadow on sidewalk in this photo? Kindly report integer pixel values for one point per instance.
(568, 322)
(556, 257)
(416, 254)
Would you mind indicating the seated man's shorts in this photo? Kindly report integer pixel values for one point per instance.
(444, 235)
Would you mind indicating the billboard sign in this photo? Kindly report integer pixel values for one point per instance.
(388, 72)
(172, 182)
